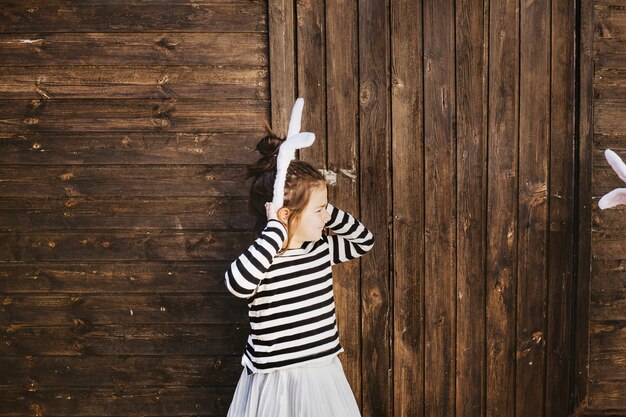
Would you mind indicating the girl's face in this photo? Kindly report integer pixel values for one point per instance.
(314, 217)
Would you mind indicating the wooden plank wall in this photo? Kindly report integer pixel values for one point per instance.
(452, 128)
(125, 127)
(452, 134)
(606, 287)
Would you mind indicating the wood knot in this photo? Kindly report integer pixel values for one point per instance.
(32, 385)
(366, 96)
(160, 122)
(31, 121)
(78, 347)
(218, 363)
(35, 104)
(66, 176)
(166, 44)
(36, 409)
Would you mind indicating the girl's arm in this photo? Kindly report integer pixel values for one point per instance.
(351, 239)
(245, 273)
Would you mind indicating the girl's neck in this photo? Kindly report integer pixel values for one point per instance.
(295, 244)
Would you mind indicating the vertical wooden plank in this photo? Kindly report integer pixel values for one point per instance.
(472, 49)
(440, 207)
(408, 207)
(312, 76)
(375, 204)
(534, 150)
(282, 62)
(502, 207)
(562, 143)
(342, 114)
(583, 191)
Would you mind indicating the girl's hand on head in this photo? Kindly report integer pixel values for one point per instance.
(270, 211)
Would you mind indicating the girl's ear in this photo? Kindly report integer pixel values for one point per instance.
(283, 214)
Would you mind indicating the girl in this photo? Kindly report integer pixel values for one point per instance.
(291, 367)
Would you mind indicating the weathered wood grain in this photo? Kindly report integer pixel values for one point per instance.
(440, 207)
(96, 371)
(608, 248)
(90, 309)
(125, 132)
(605, 180)
(608, 304)
(533, 211)
(560, 321)
(163, 48)
(601, 142)
(121, 181)
(138, 81)
(117, 277)
(601, 362)
(608, 366)
(609, 54)
(375, 201)
(209, 213)
(121, 245)
(155, 339)
(114, 148)
(607, 396)
(342, 110)
(609, 83)
(133, 16)
(282, 43)
(471, 120)
(407, 131)
(311, 75)
(608, 336)
(610, 22)
(609, 223)
(502, 204)
(608, 115)
(152, 115)
(609, 275)
(120, 401)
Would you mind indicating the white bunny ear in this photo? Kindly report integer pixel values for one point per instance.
(296, 118)
(616, 163)
(612, 199)
(287, 152)
(299, 141)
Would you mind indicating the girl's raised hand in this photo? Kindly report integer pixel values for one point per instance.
(270, 211)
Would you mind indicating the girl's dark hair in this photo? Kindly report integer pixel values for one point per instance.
(301, 178)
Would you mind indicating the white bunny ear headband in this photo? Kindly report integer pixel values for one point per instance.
(617, 196)
(287, 151)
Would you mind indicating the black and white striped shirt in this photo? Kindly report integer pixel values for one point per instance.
(291, 305)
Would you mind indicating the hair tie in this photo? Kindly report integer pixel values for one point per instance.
(287, 151)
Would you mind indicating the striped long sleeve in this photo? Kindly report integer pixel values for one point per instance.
(245, 272)
(351, 239)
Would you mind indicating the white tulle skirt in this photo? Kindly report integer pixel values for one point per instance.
(319, 390)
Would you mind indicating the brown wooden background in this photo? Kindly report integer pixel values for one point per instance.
(603, 338)
(125, 127)
(465, 134)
